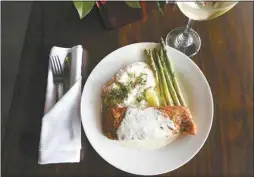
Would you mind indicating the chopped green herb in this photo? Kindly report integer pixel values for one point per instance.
(117, 95)
(140, 98)
(131, 75)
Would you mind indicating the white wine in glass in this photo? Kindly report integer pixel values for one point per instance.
(186, 39)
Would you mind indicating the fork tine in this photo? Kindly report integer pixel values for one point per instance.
(55, 66)
(50, 61)
(59, 64)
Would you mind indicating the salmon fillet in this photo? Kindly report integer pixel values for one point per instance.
(180, 115)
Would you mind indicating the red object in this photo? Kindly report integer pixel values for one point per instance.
(97, 4)
(144, 10)
(103, 2)
(100, 2)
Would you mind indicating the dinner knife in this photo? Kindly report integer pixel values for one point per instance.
(67, 67)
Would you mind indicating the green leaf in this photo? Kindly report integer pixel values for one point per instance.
(162, 3)
(83, 7)
(159, 7)
(133, 4)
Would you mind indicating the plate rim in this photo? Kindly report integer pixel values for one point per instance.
(210, 100)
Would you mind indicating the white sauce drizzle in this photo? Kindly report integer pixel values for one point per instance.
(144, 124)
(135, 70)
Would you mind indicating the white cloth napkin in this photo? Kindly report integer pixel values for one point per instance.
(60, 140)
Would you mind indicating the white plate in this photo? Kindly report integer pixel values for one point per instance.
(198, 96)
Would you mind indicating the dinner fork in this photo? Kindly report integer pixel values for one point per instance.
(58, 75)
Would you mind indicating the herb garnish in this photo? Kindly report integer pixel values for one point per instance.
(117, 95)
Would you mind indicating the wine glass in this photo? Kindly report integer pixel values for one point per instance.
(185, 39)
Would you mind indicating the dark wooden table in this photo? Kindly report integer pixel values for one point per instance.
(226, 59)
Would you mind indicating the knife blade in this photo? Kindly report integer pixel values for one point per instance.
(67, 67)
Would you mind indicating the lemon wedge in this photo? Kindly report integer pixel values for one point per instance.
(151, 97)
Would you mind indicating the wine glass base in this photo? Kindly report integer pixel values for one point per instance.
(190, 47)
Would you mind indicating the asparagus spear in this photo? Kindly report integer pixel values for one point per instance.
(170, 70)
(163, 79)
(168, 79)
(152, 65)
(159, 88)
(163, 101)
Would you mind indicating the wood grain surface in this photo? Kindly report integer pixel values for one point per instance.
(225, 58)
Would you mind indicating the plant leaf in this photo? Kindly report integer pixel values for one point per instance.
(159, 7)
(83, 7)
(163, 3)
(133, 4)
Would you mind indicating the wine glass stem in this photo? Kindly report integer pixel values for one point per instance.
(184, 39)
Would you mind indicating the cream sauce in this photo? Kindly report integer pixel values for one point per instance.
(129, 74)
(144, 124)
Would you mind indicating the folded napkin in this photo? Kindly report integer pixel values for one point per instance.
(60, 140)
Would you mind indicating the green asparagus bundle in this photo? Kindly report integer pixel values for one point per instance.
(163, 79)
(153, 66)
(167, 85)
(168, 79)
(171, 73)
